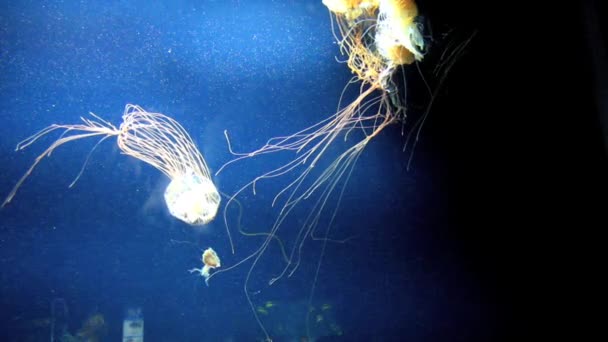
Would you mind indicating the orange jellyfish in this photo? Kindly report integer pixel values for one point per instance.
(210, 261)
(369, 33)
(157, 140)
(377, 37)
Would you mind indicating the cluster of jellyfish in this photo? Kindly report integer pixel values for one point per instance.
(376, 38)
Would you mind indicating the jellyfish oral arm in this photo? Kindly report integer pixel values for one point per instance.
(199, 270)
(204, 272)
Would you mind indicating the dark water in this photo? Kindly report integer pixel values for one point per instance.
(436, 252)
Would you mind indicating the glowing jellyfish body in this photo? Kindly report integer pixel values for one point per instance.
(192, 199)
(157, 140)
(210, 261)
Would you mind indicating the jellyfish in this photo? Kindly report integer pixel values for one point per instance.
(155, 139)
(397, 28)
(377, 39)
(370, 36)
(351, 9)
(210, 261)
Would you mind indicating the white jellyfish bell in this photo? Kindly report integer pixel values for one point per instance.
(157, 140)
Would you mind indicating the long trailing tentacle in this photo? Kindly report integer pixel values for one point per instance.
(90, 128)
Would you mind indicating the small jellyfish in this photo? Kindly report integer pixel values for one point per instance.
(210, 261)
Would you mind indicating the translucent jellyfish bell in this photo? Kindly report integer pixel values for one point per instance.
(163, 143)
(192, 199)
(157, 140)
